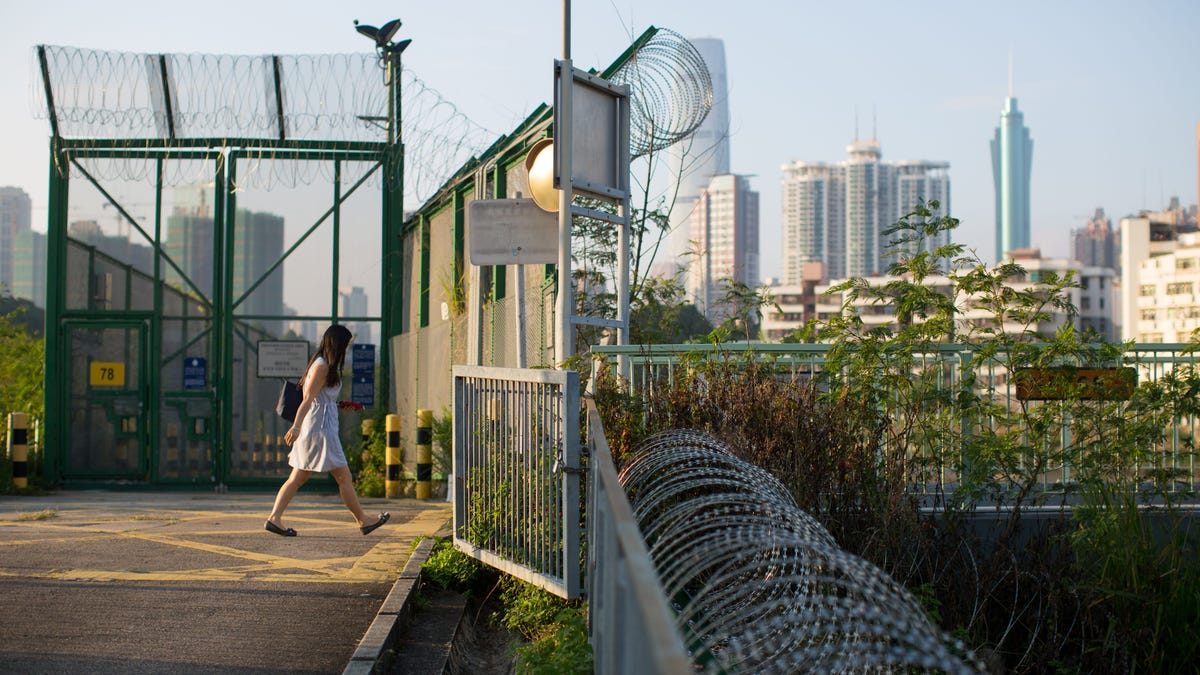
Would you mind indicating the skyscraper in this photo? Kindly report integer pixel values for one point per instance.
(836, 213)
(867, 195)
(1096, 244)
(258, 244)
(1012, 162)
(724, 225)
(29, 267)
(813, 198)
(694, 161)
(15, 216)
(355, 304)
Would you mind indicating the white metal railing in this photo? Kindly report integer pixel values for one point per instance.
(633, 629)
(517, 473)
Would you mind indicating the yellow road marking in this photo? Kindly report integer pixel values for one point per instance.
(380, 564)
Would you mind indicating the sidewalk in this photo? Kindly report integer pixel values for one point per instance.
(135, 582)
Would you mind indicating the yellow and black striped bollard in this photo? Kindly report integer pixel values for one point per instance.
(392, 457)
(18, 449)
(424, 453)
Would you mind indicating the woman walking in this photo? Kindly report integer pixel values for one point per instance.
(316, 447)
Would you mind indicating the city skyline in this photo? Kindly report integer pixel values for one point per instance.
(1085, 74)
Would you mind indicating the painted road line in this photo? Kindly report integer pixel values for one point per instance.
(380, 564)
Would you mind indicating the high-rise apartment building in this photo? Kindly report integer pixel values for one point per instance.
(29, 267)
(354, 302)
(1012, 163)
(695, 160)
(1096, 244)
(1160, 275)
(836, 214)
(917, 182)
(724, 226)
(258, 244)
(16, 212)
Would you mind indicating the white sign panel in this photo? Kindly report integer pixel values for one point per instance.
(282, 358)
(511, 232)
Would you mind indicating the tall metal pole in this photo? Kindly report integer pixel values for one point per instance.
(564, 337)
(393, 216)
(564, 342)
(566, 36)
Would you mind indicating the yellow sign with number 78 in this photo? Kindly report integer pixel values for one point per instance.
(107, 374)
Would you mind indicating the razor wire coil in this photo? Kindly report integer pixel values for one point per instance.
(758, 585)
(671, 92)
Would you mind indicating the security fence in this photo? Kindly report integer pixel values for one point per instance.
(959, 369)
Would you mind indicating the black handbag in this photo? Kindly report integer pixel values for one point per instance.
(290, 397)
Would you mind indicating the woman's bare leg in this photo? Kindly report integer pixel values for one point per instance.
(345, 483)
(286, 492)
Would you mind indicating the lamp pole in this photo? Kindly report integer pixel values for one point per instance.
(393, 76)
(564, 337)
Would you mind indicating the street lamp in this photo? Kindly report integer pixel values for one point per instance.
(389, 56)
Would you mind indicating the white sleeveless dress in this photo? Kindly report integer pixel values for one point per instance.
(318, 447)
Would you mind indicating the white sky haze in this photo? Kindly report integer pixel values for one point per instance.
(1109, 89)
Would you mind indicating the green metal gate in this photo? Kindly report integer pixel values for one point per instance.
(168, 261)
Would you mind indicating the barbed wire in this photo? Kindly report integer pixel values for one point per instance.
(671, 92)
(332, 98)
(324, 98)
(757, 583)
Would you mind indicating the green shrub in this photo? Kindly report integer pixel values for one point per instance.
(450, 569)
(564, 651)
(528, 610)
(556, 629)
(369, 464)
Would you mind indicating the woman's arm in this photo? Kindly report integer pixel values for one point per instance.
(313, 381)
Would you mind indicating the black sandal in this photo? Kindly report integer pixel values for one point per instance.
(272, 527)
(383, 518)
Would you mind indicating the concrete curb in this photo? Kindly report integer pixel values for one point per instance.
(393, 614)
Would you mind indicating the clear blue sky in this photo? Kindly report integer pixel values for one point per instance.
(1109, 89)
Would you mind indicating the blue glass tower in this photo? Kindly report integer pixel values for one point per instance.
(1012, 159)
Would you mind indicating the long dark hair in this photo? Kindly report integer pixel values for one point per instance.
(333, 348)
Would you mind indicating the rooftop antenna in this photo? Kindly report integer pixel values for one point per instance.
(856, 123)
(874, 124)
(1010, 72)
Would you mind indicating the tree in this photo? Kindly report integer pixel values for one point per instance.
(659, 315)
(22, 363)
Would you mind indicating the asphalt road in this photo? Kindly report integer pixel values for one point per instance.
(120, 582)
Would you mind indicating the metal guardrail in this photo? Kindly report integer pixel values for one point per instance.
(632, 627)
(646, 367)
(517, 473)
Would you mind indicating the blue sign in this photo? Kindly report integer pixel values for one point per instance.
(362, 360)
(362, 391)
(362, 366)
(195, 373)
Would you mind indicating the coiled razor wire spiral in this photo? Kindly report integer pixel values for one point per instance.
(758, 584)
(325, 98)
(319, 98)
(671, 92)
